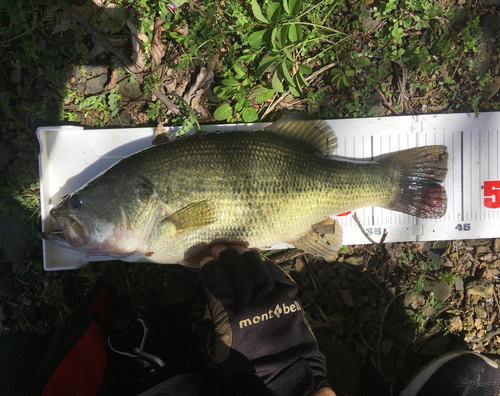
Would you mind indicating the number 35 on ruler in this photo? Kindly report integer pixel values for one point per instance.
(492, 194)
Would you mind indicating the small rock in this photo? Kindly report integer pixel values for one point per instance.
(490, 89)
(131, 91)
(459, 284)
(96, 84)
(481, 287)
(375, 105)
(300, 265)
(92, 70)
(436, 346)
(355, 260)
(441, 290)
(394, 250)
(480, 312)
(329, 271)
(400, 364)
(477, 242)
(433, 251)
(3, 315)
(27, 301)
(490, 24)
(482, 249)
(387, 346)
(456, 324)
(15, 76)
(19, 269)
(5, 287)
(6, 153)
(40, 328)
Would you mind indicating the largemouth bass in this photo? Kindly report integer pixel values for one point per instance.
(167, 203)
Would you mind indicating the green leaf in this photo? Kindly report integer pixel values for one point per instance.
(257, 12)
(230, 82)
(294, 91)
(304, 69)
(240, 97)
(277, 84)
(283, 36)
(300, 79)
(240, 70)
(349, 73)
(223, 112)
(294, 6)
(286, 74)
(274, 12)
(120, 14)
(257, 39)
(263, 94)
(279, 37)
(295, 32)
(298, 82)
(286, 7)
(249, 115)
(264, 64)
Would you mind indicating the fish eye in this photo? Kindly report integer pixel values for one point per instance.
(76, 201)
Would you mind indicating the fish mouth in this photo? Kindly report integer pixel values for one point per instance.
(73, 233)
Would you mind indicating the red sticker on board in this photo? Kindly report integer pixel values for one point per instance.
(344, 213)
(492, 194)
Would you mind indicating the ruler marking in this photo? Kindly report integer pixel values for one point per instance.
(462, 171)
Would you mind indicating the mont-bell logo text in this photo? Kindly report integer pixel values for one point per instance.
(277, 312)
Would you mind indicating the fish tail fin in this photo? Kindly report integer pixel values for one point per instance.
(420, 171)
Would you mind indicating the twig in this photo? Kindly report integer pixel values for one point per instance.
(380, 332)
(170, 105)
(355, 218)
(358, 331)
(458, 64)
(309, 272)
(127, 62)
(496, 300)
(385, 102)
(308, 78)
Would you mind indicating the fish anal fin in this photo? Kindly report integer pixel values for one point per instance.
(195, 215)
(307, 129)
(324, 239)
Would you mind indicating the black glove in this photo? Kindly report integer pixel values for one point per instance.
(258, 341)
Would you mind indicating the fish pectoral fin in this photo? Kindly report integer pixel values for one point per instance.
(324, 239)
(193, 216)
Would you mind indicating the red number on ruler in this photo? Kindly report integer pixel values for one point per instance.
(492, 194)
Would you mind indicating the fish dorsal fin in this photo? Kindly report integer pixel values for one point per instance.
(308, 129)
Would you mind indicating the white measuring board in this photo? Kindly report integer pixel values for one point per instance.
(70, 156)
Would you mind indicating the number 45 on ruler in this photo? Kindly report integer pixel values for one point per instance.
(492, 194)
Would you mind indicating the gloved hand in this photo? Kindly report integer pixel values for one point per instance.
(258, 341)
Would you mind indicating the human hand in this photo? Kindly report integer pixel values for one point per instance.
(257, 341)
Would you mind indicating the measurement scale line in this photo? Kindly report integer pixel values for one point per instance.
(462, 172)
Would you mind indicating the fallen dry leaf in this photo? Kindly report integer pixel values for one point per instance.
(112, 79)
(157, 46)
(137, 47)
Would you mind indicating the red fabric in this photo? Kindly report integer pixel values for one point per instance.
(80, 372)
(103, 304)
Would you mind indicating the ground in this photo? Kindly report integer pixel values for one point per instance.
(379, 311)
